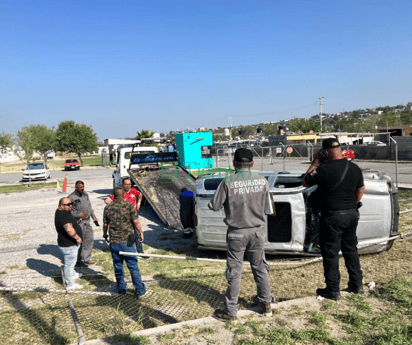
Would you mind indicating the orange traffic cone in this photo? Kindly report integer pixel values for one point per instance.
(65, 184)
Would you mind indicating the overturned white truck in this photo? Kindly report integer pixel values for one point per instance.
(295, 228)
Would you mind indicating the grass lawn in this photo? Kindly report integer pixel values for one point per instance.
(182, 290)
(56, 163)
(25, 187)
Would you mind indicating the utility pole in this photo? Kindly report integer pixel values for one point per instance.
(230, 118)
(320, 111)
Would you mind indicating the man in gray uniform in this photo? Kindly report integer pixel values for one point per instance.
(82, 211)
(246, 200)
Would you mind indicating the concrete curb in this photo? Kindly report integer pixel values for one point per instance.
(204, 322)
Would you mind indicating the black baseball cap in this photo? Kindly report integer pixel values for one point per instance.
(243, 155)
(330, 143)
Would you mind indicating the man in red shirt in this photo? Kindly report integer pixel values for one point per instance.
(133, 196)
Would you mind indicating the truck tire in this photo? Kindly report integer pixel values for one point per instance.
(187, 212)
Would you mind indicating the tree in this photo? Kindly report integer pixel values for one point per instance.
(75, 138)
(406, 118)
(144, 133)
(346, 124)
(389, 119)
(6, 141)
(44, 139)
(27, 143)
(303, 126)
(364, 126)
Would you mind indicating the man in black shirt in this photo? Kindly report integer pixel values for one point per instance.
(341, 187)
(68, 239)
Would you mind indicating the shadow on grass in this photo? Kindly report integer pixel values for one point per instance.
(137, 310)
(46, 330)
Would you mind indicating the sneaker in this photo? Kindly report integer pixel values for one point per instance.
(140, 296)
(90, 262)
(353, 288)
(78, 275)
(221, 315)
(74, 286)
(325, 293)
(80, 264)
(188, 232)
(265, 308)
(122, 292)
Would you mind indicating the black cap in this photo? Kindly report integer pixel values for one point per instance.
(330, 143)
(243, 155)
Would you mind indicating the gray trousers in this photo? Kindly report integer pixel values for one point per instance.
(85, 251)
(239, 242)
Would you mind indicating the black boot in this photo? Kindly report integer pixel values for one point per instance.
(326, 293)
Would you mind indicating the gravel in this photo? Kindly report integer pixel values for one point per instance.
(29, 256)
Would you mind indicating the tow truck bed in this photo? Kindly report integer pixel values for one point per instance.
(161, 187)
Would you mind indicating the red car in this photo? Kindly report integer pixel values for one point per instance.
(71, 164)
(348, 154)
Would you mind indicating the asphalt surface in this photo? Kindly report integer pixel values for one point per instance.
(29, 256)
(277, 164)
(74, 175)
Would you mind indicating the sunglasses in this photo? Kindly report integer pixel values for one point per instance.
(69, 204)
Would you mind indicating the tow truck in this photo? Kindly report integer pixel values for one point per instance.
(160, 178)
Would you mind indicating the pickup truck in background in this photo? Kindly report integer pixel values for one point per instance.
(71, 164)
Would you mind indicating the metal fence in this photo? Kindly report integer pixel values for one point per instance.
(34, 315)
(105, 159)
(394, 158)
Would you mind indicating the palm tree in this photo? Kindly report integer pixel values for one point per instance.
(144, 133)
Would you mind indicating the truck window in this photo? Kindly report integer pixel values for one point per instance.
(212, 184)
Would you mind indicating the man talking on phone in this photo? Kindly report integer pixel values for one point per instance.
(341, 187)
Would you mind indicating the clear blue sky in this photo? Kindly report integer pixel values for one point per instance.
(121, 66)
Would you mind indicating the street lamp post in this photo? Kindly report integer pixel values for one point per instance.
(320, 111)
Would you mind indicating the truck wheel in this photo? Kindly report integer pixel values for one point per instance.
(187, 212)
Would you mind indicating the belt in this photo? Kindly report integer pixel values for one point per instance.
(342, 211)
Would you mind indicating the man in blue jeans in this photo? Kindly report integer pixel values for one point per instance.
(68, 239)
(120, 219)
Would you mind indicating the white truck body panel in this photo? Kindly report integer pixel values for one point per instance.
(123, 161)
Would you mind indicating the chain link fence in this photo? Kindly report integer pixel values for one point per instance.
(36, 315)
(394, 158)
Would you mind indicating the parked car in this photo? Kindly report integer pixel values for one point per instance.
(295, 228)
(374, 143)
(348, 154)
(36, 171)
(71, 164)
(51, 154)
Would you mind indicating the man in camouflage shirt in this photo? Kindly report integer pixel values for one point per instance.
(120, 219)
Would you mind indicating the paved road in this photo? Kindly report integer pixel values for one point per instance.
(277, 164)
(84, 173)
(29, 255)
